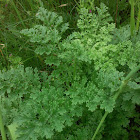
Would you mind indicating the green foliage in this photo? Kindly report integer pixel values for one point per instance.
(85, 70)
(48, 35)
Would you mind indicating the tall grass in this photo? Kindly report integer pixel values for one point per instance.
(18, 13)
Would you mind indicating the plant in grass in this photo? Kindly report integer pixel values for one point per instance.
(119, 10)
(15, 15)
(88, 4)
(86, 72)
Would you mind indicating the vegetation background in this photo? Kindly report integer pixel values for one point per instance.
(16, 15)
(16, 50)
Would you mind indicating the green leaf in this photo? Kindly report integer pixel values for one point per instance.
(12, 129)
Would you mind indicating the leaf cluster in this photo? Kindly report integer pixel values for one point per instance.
(87, 69)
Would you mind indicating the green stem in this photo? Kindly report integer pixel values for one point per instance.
(28, 59)
(138, 20)
(41, 60)
(100, 124)
(124, 83)
(132, 19)
(2, 127)
(18, 13)
(78, 5)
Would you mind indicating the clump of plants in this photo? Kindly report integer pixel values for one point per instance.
(89, 89)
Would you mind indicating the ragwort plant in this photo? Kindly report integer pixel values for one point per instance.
(87, 72)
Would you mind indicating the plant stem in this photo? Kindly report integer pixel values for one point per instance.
(124, 83)
(78, 5)
(138, 20)
(132, 19)
(2, 127)
(100, 124)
